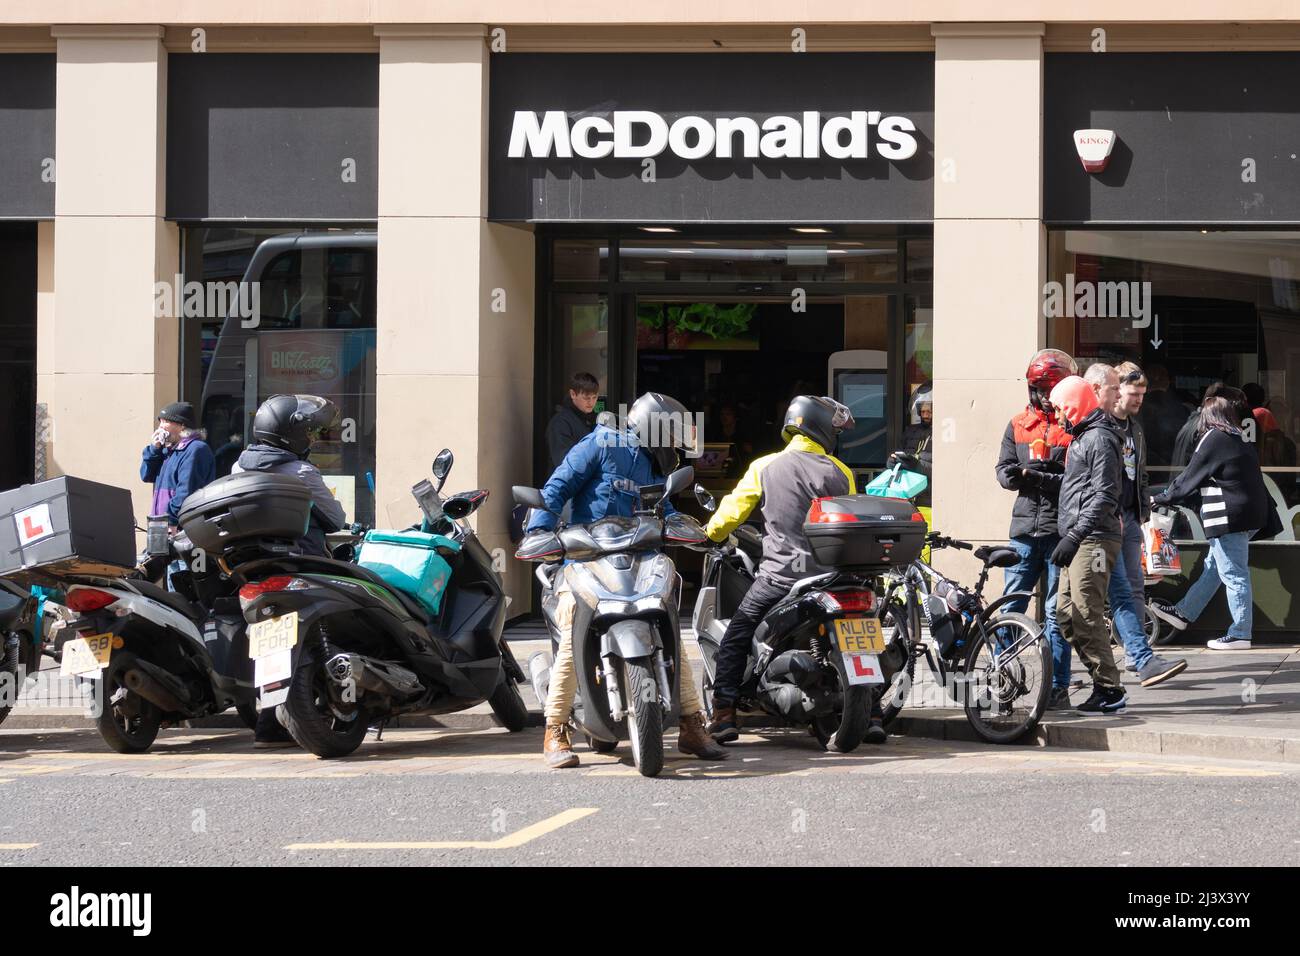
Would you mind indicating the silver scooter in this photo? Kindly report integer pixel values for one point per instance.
(626, 635)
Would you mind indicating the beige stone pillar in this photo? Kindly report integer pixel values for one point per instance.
(454, 363)
(108, 365)
(989, 254)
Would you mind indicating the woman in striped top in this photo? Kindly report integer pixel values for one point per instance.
(1235, 508)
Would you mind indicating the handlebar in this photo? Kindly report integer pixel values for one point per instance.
(937, 541)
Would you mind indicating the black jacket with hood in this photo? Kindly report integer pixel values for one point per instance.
(1091, 489)
(327, 514)
(567, 427)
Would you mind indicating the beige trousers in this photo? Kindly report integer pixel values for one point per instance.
(564, 678)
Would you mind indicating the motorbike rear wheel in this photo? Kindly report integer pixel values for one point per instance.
(309, 714)
(601, 746)
(10, 675)
(894, 697)
(842, 732)
(645, 718)
(128, 723)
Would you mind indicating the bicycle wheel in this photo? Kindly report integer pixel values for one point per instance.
(894, 618)
(1007, 679)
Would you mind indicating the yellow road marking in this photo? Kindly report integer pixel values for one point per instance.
(510, 842)
(18, 846)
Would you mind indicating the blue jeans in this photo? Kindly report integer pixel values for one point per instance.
(1127, 595)
(1226, 562)
(1034, 555)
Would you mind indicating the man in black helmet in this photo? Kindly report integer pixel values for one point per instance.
(284, 429)
(782, 486)
(600, 476)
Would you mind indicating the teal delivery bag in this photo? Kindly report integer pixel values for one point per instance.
(410, 561)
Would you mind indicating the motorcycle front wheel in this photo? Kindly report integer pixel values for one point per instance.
(645, 718)
(310, 715)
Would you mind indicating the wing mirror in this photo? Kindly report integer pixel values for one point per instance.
(706, 500)
(442, 466)
(464, 504)
(677, 481)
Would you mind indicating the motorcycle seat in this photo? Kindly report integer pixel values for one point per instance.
(999, 556)
(173, 600)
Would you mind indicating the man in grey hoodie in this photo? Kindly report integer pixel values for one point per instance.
(284, 429)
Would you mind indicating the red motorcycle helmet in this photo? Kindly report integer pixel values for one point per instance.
(1046, 368)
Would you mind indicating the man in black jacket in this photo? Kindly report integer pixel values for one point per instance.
(1089, 522)
(573, 420)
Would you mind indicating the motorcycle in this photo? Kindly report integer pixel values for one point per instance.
(160, 656)
(822, 652)
(626, 634)
(21, 637)
(414, 627)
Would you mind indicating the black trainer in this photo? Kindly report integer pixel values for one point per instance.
(1169, 614)
(1105, 700)
(876, 732)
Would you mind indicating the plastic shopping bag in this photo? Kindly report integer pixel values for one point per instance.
(1159, 553)
(897, 482)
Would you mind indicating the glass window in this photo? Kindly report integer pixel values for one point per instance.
(920, 260)
(766, 261)
(314, 333)
(1191, 308)
(580, 258)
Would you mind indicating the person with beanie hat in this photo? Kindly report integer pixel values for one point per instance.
(1090, 526)
(177, 460)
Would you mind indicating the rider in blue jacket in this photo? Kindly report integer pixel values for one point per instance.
(600, 476)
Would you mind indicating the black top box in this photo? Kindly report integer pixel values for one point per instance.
(246, 507)
(66, 526)
(864, 532)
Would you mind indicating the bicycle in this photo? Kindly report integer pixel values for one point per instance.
(1000, 663)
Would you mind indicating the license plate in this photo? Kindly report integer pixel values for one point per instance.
(81, 655)
(272, 668)
(863, 669)
(860, 635)
(273, 636)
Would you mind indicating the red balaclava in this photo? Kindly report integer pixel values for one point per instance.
(1075, 397)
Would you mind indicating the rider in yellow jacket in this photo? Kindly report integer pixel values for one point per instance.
(782, 486)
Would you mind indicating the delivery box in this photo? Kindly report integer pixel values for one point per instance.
(66, 526)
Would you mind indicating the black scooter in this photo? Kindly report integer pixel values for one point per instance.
(819, 655)
(342, 648)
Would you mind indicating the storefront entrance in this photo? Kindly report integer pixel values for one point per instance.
(17, 353)
(734, 327)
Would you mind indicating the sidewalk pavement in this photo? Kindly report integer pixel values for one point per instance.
(1228, 704)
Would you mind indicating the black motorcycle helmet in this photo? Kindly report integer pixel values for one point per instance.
(663, 427)
(819, 418)
(293, 422)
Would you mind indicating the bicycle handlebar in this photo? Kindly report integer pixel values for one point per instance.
(937, 540)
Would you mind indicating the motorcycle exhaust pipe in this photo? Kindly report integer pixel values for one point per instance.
(379, 677)
(153, 690)
(539, 672)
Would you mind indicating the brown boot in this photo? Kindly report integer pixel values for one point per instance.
(693, 739)
(726, 725)
(557, 749)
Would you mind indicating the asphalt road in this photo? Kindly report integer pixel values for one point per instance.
(442, 797)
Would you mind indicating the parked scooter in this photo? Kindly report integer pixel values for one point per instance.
(822, 651)
(626, 635)
(161, 656)
(20, 642)
(414, 627)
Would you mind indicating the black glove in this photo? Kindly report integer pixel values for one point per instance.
(1031, 478)
(1065, 552)
(1046, 466)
